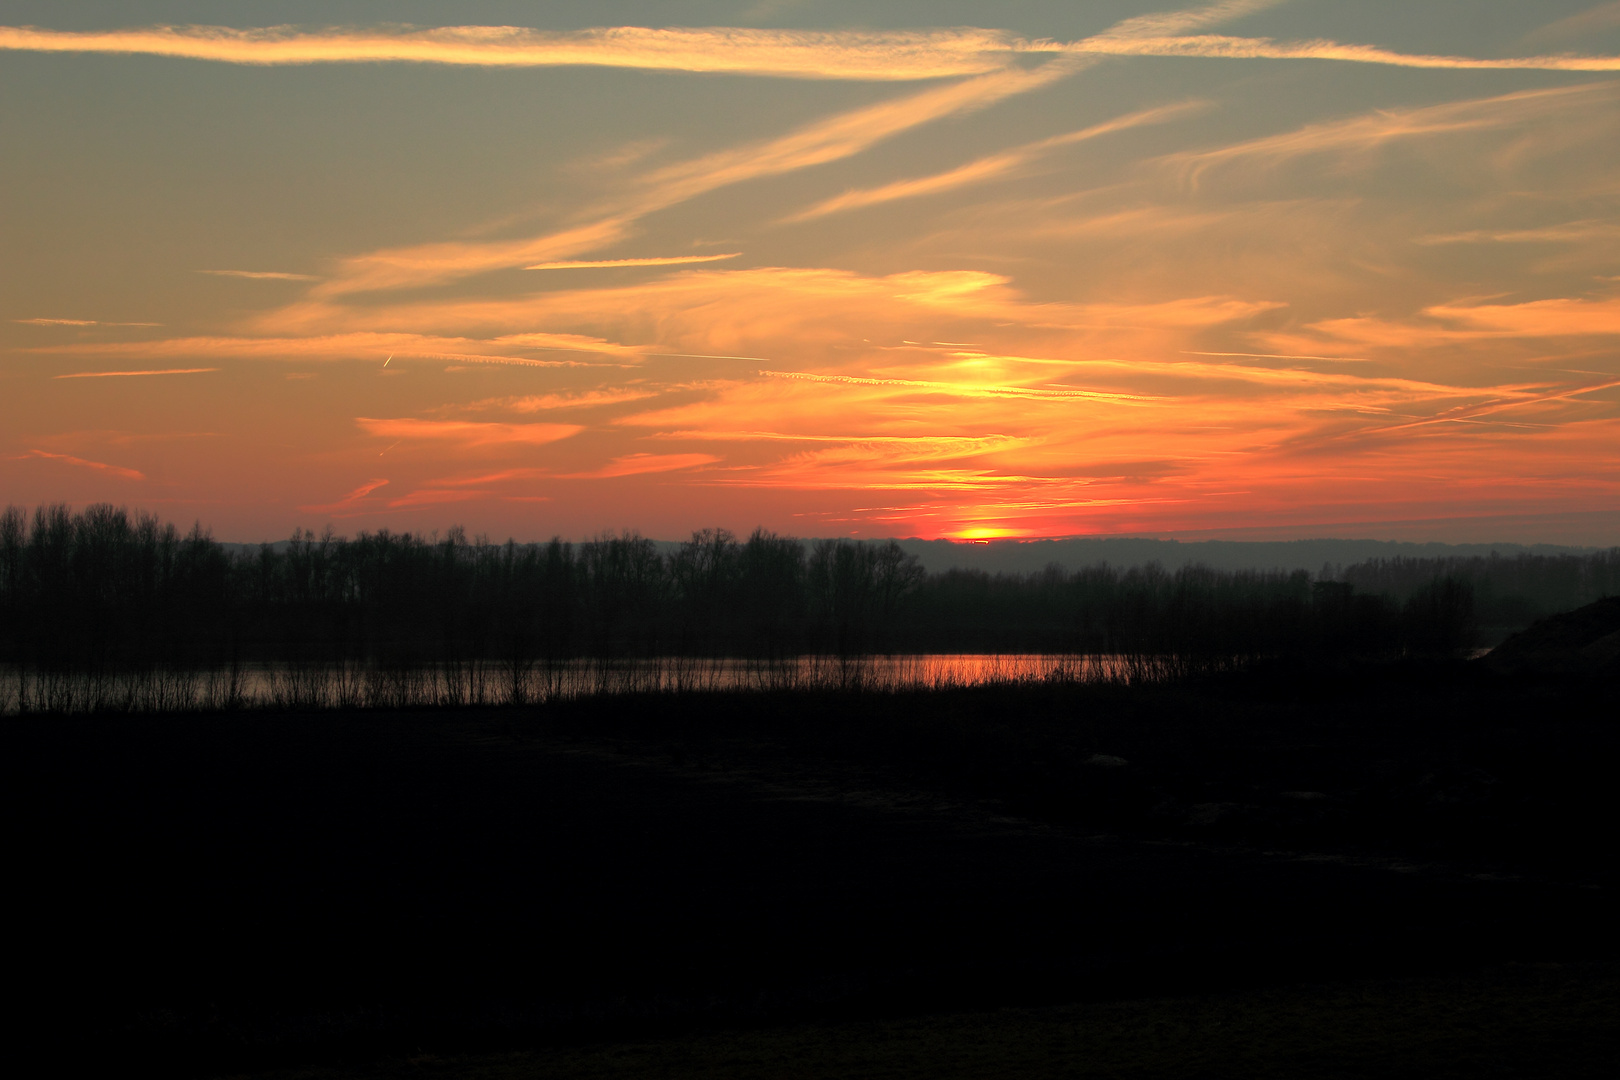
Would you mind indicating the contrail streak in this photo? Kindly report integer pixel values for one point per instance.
(666, 260)
(866, 55)
(119, 374)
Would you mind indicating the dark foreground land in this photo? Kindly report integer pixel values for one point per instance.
(1339, 872)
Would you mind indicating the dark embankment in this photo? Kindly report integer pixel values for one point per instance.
(1540, 1020)
(221, 893)
(1585, 641)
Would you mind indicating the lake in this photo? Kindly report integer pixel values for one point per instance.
(484, 682)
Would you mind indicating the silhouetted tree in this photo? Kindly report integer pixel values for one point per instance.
(109, 607)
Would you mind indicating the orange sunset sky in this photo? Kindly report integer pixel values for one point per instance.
(930, 269)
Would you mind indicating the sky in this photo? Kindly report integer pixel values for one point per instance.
(1246, 269)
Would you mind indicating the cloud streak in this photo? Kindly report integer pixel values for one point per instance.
(641, 464)
(84, 463)
(581, 399)
(798, 54)
(844, 134)
(801, 54)
(349, 502)
(435, 496)
(431, 264)
(1593, 20)
(1567, 233)
(466, 432)
(1371, 130)
(357, 346)
(1221, 47)
(990, 167)
(78, 322)
(885, 56)
(818, 143)
(865, 55)
(959, 389)
(663, 260)
(1560, 317)
(1160, 23)
(125, 374)
(1147, 352)
(261, 275)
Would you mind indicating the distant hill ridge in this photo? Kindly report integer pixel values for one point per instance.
(1028, 556)
(1032, 556)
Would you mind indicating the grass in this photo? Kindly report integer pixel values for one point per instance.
(1547, 1020)
(820, 873)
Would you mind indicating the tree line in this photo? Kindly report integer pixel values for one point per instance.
(104, 589)
(1509, 591)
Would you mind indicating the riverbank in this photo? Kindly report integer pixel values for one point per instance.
(1549, 1020)
(214, 893)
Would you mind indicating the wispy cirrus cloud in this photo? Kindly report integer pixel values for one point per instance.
(914, 446)
(990, 167)
(763, 311)
(801, 54)
(942, 463)
(78, 322)
(433, 492)
(1117, 360)
(1160, 23)
(261, 275)
(1482, 411)
(1570, 232)
(356, 345)
(641, 464)
(818, 143)
(866, 55)
(364, 489)
(1593, 20)
(1374, 129)
(358, 502)
(1183, 313)
(560, 342)
(436, 496)
(1221, 47)
(1560, 317)
(661, 260)
(467, 433)
(124, 374)
(960, 389)
(576, 399)
(1341, 384)
(83, 463)
(352, 502)
(488, 479)
(844, 134)
(818, 321)
(433, 263)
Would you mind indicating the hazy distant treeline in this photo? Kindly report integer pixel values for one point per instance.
(107, 590)
(1509, 592)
